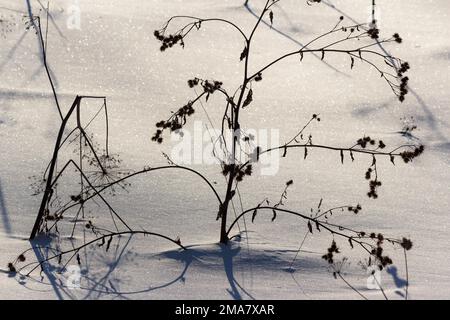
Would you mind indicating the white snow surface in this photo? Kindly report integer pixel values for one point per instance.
(115, 54)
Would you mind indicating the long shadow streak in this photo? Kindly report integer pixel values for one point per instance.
(4, 211)
(30, 14)
(12, 51)
(228, 254)
(250, 10)
(429, 114)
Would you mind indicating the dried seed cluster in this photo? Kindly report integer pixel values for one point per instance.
(373, 185)
(175, 123)
(404, 67)
(168, 41)
(408, 156)
(374, 33)
(355, 209)
(367, 140)
(333, 249)
(406, 244)
(237, 170)
(378, 251)
(178, 119)
(397, 38)
(209, 86)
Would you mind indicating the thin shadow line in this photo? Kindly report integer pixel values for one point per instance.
(52, 20)
(30, 14)
(249, 9)
(4, 211)
(431, 120)
(12, 51)
(112, 268)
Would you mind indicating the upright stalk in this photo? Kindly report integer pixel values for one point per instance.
(49, 186)
(228, 196)
(223, 211)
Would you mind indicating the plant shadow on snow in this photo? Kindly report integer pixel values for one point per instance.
(443, 146)
(442, 55)
(4, 212)
(367, 110)
(429, 117)
(231, 258)
(289, 37)
(92, 282)
(108, 274)
(226, 253)
(223, 258)
(399, 282)
(10, 55)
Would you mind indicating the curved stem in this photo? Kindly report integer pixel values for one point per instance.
(113, 234)
(311, 51)
(210, 19)
(146, 171)
(361, 243)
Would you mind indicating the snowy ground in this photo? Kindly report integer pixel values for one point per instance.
(115, 54)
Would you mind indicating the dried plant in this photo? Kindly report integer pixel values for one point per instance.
(99, 169)
(362, 40)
